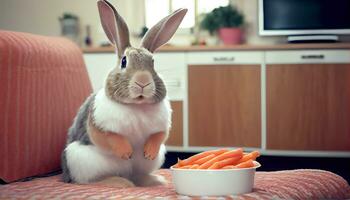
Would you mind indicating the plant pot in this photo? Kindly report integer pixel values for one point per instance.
(230, 36)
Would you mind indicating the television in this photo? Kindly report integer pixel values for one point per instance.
(308, 19)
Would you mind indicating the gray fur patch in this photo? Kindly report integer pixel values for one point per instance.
(160, 89)
(138, 59)
(117, 86)
(77, 132)
(66, 177)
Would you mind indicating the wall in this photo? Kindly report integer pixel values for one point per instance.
(41, 17)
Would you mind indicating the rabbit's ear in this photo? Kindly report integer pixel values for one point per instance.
(114, 26)
(161, 33)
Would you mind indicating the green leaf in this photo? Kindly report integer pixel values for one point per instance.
(224, 16)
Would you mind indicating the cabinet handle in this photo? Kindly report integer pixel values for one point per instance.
(320, 56)
(220, 59)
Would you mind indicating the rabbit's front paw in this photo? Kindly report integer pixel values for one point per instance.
(151, 150)
(122, 148)
(152, 145)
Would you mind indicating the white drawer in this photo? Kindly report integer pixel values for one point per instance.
(307, 56)
(225, 57)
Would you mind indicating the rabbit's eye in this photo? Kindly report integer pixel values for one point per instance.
(123, 64)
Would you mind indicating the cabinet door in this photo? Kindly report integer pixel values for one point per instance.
(308, 106)
(176, 134)
(224, 105)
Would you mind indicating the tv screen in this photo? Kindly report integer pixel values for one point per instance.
(284, 17)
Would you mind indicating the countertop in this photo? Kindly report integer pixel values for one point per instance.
(242, 47)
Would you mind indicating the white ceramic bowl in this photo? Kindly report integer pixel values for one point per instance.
(195, 182)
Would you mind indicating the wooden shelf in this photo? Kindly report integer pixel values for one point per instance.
(242, 47)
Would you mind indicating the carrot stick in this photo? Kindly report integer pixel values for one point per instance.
(209, 163)
(233, 153)
(218, 151)
(225, 162)
(177, 164)
(229, 167)
(215, 166)
(205, 159)
(252, 155)
(195, 166)
(185, 167)
(229, 161)
(230, 154)
(192, 159)
(246, 164)
(219, 159)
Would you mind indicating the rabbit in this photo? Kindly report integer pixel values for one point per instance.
(118, 135)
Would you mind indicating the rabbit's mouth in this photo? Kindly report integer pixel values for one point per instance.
(140, 98)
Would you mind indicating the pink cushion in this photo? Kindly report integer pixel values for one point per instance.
(43, 82)
(294, 184)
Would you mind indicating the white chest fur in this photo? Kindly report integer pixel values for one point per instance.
(136, 122)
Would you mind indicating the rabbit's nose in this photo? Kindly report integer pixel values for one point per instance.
(142, 85)
(143, 78)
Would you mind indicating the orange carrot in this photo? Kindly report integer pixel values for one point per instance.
(177, 164)
(229, 161)
(185, 167)
(252, 155)
(225, 162)
(192, 159)
(219, 159)
(205, 159)
(246, 164)
(209, 163)
(195, 166)
(218, 151)
(229, 154)
(229, 167)
(215, 166)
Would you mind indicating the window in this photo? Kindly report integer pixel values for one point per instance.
(157, 9)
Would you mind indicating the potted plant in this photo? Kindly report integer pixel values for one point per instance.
(227, 21)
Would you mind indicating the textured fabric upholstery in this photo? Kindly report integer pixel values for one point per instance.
(293, 184)
(43, 81)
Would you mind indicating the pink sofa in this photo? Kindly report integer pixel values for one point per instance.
(43, 83)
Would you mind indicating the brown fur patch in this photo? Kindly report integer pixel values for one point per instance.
(152, 145)
(108, 141)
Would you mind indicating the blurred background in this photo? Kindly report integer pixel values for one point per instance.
(43, 17)
(289, 101)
